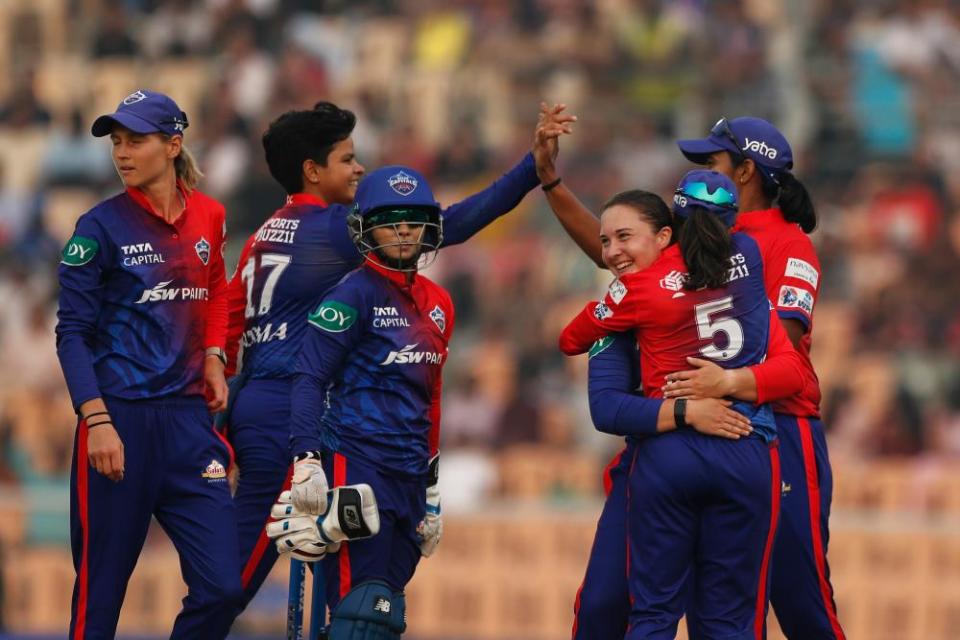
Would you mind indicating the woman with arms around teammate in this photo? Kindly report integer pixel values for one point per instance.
(696, 504)
(777, 211)
(141, 331)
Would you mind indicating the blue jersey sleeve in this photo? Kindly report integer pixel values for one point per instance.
(81, 295)
(335, 328)
(463, 219)
(614, 373)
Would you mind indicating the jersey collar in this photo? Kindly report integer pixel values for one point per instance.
(296, 199)
(754, 219)
(140, 198)
(398, 278)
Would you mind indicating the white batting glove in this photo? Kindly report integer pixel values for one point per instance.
(431, 527)
(308, 487)
(353, 515)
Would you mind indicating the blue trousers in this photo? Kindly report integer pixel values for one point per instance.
(602, 606)
(704, 506)
(175, 470)
(259, 430)
(391, 555)
(800, 591)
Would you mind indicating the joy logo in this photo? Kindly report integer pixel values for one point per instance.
(333, 316)
(134, 98)
(79, 251)
(761, 147)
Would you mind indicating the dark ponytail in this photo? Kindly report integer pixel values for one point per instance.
(706, 246)
(795, 203)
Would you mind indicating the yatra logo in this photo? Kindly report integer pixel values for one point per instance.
(214, 472)
(761, 147)
(680, 199)
(160, 293)
(407, 355)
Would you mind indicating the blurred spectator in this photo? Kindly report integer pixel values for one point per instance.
(74, 157)
(112, 38)
(177, 28)
(22, 108)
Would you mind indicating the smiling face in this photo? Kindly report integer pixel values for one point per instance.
(143, 159)
(629, 240)
(336, 182)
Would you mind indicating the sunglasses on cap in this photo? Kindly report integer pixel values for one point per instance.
(699, 191)
(397, 216)
(722, 130)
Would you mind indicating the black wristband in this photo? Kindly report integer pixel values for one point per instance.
(97, 424)
(95, 413)
(680, 413)
(306, 455)
(551, 185)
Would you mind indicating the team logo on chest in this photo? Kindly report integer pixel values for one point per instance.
(439, 317)
(203, 250)
(403, 183)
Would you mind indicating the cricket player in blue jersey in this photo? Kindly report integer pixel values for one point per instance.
(365, 406)
(140, 337)
(299, 253)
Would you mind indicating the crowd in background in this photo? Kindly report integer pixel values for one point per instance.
(867, 92)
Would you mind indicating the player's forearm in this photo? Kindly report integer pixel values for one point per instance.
(466, 218)
(306, 407)
(577, 220)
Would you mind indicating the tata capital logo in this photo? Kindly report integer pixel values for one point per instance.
(134, 98)
(403, 183)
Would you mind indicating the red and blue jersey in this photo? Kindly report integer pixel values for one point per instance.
(730, 326)
(368, 374)
(792, 281)
(304, 249)
(141, 298)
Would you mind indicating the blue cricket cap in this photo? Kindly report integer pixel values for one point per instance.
(394, 187)
(753, 138)
(711, 190)
(144, 112)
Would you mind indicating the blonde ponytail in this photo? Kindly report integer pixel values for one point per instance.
(187, 170)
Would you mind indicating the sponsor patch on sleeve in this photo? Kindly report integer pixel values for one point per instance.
(602, 311)
(795, 298)
(617, 291)
(803, 270)
(333, 316)
(600, 346)
(79, 251)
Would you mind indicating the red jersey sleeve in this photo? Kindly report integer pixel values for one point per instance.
(433, 440)
(236, 305)
(216, 330)
(616, 312)
(793, 279)
(781, 374)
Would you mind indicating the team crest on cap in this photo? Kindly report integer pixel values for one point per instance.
(203, 250)
(403, 183)
(134, 97)
(439, 317)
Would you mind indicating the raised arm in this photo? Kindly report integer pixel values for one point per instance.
(576, 219)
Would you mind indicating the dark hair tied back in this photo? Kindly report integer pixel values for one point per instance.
(795, 203)
(705, 245)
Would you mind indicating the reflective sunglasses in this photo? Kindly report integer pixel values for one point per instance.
(397, 216)
(722, 130)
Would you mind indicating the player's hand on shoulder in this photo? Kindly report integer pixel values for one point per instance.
(308, 487)
(714, 417)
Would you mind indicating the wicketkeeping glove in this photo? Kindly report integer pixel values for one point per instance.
(308, 487)
(431, 527)
(352, 515)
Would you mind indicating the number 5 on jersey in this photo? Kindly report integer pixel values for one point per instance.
(275, 263)
(708, 328)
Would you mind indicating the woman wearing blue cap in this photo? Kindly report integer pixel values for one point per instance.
(776, 210)
(141, 331)
(696, 505)
(366, 397)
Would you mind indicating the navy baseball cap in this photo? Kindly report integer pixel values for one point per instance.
(711, 190)
(144, 112)
(753, 138)
(394, 187)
